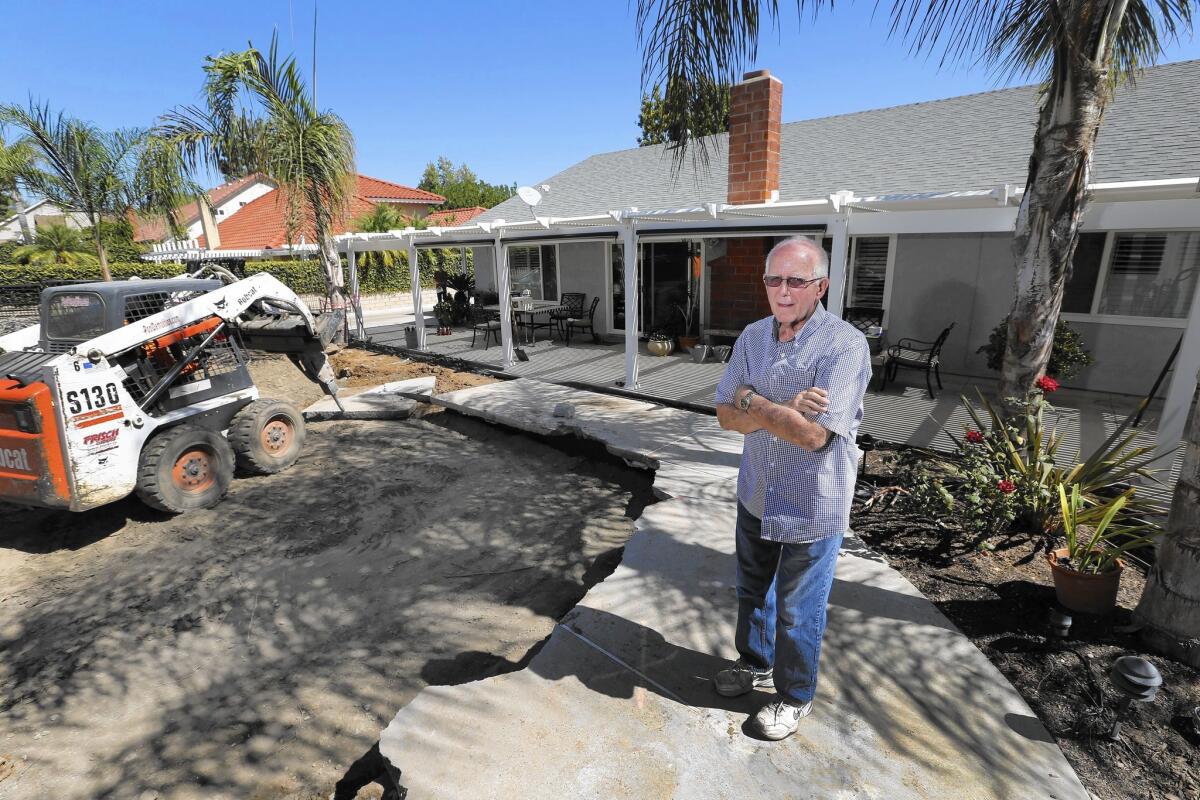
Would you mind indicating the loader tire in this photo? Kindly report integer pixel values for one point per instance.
(267, 436)
(184, 468)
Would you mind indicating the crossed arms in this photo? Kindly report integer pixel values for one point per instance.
(789, 421)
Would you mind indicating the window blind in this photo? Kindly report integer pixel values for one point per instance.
(870, 271)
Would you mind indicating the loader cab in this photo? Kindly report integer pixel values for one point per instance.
(76, 313)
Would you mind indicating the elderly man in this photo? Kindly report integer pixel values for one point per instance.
(794, 387)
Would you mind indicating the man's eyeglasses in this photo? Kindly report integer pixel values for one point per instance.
(793, 282)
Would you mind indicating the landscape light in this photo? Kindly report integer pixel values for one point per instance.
(1060, 622)
(1136, 679)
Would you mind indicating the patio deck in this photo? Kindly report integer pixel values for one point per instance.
(902, 413)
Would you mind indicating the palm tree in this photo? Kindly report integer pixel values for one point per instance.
(15, 158)
(57, 244)
(1081, 48)
(1169, 610)
(258, 112)
(381, 219)
(103, 174)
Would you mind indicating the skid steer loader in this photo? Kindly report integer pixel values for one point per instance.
(141, 386)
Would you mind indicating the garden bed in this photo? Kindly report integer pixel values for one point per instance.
(997, 590)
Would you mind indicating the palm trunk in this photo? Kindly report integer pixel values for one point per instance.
(101, 253)
(1048, 220)
(331, 266)
(19, 204)
(1169, 610)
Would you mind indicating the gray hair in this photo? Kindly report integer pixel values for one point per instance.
(820, 258)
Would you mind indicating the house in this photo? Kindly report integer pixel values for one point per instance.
(250, 219)
(225, 200)
(41, 214)
(451, 217)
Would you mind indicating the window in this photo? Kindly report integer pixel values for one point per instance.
(1085, 273)
(535, 269)
(869, 271)
(1146, 275)
(76, 316)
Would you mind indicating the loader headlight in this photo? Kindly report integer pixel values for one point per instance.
(26, 419)
(18, 416)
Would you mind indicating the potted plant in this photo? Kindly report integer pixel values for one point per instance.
(1087, 572)
(444, 311)
(660, 343)
(463, 285)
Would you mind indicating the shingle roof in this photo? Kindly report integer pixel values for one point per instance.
(450, 217)
(971, 142)
(262, 223)
(154, 230)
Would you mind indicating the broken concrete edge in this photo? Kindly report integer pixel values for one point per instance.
(392, 400)
(564, 426)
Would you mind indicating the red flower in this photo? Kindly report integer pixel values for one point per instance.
(1008, 487)
(1047, 384)
(974, 437)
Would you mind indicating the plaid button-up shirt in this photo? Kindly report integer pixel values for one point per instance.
(800, 495)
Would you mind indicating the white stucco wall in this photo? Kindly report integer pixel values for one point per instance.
(45, 214)
(230, 205)
(968, 279)
(582, 268)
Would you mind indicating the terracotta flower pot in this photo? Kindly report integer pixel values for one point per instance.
(1082, 591)
(660, 347)
(688, 342)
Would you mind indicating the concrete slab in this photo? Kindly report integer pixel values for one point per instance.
(389, 401)
(618, 703)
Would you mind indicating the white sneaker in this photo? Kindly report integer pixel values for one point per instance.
(780, 718)
(742, 679)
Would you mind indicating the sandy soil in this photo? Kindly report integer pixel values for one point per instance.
(255, 649)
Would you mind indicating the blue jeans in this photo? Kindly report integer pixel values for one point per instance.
(782, 592)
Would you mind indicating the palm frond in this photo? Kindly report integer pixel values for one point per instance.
(688, 44)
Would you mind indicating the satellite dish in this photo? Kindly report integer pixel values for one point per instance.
(529, 195)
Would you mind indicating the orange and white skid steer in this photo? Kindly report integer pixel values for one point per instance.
(142, 386)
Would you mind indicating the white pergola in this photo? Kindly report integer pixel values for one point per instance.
(1132, 205)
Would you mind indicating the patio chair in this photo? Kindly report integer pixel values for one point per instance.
(584, 323)
(485, 322)
(915, 354)
(572, 308)
(863, 317)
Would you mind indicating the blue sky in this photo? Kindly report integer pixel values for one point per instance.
(518, 91)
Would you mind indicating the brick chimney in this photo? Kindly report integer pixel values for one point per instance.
(755, 107)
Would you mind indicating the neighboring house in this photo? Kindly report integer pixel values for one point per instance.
(450, 217)
(226, 200)
(41, 214)
(254, 219)
(917, 203)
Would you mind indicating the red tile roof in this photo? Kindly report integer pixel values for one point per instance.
(155, 229)
(450, 217)
(261, 223)
(375, 189)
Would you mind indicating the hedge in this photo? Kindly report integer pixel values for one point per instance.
(31, 273)
(302, 276)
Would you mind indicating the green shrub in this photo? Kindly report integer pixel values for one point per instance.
(300, 275)
(31, 273)
(1066, 358)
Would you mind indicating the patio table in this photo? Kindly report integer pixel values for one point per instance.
(527, 317)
